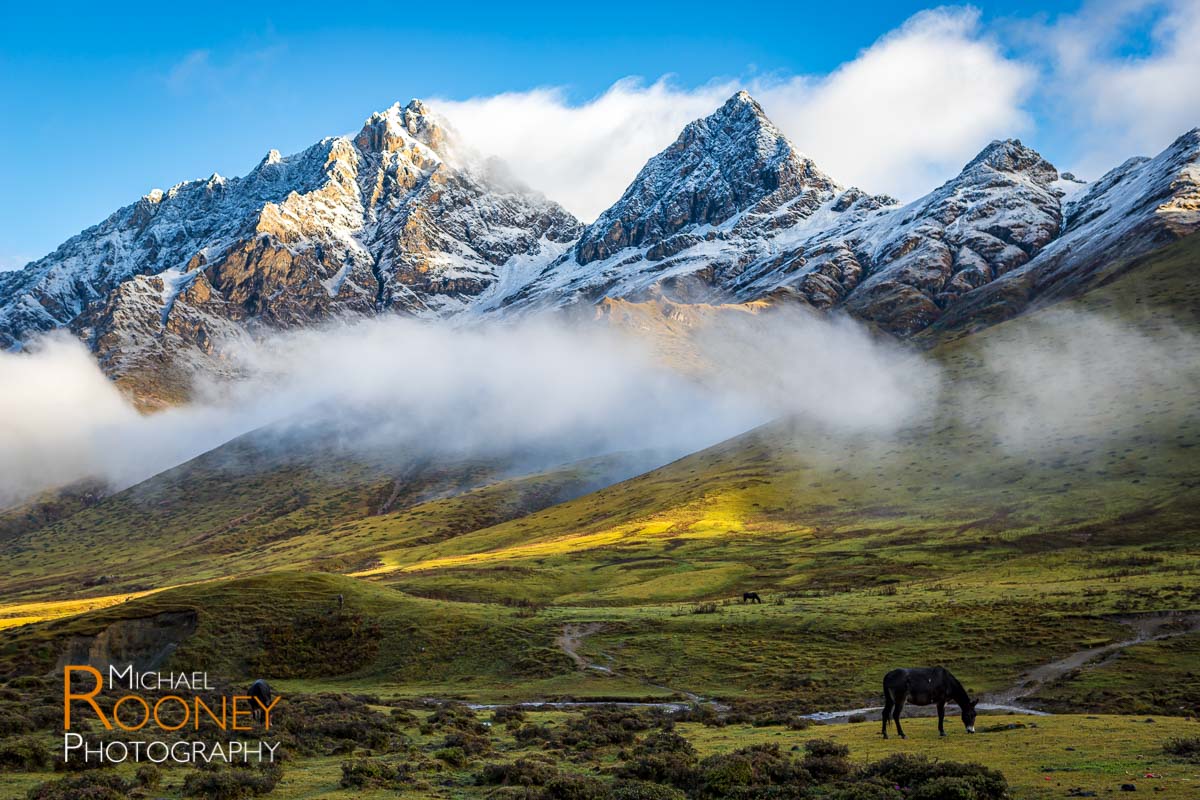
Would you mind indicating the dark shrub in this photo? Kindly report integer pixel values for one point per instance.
(13, 724)
(663, 757)
(148, 776)
(534, 733)
(405, 718)
(865, 789)
(704, 714)
(604, 726)
(750, 772)
(641, 790)
(469, 743)
(912, 772)
(456, 717)
(946, 788)
(565, 786)
(89, 786)
(454, 756)
(336, 723)
(372, 773)
(508, 715)
(24, 754)
(826, 760)
(232, 783)
(1187, 747)
(522, 772)
(664, 742)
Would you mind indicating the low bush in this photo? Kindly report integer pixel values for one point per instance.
(752, 771)
(522, 772)
(453, 756)
(604, 726)
(148, 776)
(470, 743)
(232, 783)
(24, 754)
(641, 790)
(453, 716)
(566, 786)
(508, 715)
(911, 773)
(336, 723)
(370, 773)
(89, 786)
(1186, 747)
(826, 760)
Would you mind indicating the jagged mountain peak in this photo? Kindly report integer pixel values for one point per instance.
(1011, 156)
(732, 162)
(399, 127)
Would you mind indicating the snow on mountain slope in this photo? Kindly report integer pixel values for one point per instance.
(726, 194)
(1136, 208)
(902, 266)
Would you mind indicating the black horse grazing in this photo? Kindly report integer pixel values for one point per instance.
(751, 597)
(923, 686)
(260, 691)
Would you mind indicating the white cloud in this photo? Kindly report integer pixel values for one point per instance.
(911, 109)
(1121, 103)
(543, 388)
(905, 114)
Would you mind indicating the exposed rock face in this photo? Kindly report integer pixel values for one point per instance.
(401, 216)
(902, 268)
(1138, 207)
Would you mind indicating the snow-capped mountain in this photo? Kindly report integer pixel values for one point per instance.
(403, 218)
(731, 211)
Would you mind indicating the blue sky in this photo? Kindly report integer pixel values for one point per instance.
(102, 103)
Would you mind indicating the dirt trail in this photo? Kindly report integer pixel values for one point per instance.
(1146, 629)
(572, 636)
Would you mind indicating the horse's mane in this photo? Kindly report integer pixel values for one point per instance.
(957, 690)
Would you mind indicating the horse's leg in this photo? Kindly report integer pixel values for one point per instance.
(942, 718)
(887, 709)
(896, 715)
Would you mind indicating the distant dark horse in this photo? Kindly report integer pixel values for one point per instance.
(752, 597)
(260, 691)
(923, 686)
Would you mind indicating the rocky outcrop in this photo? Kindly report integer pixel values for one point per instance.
(1143, 204)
